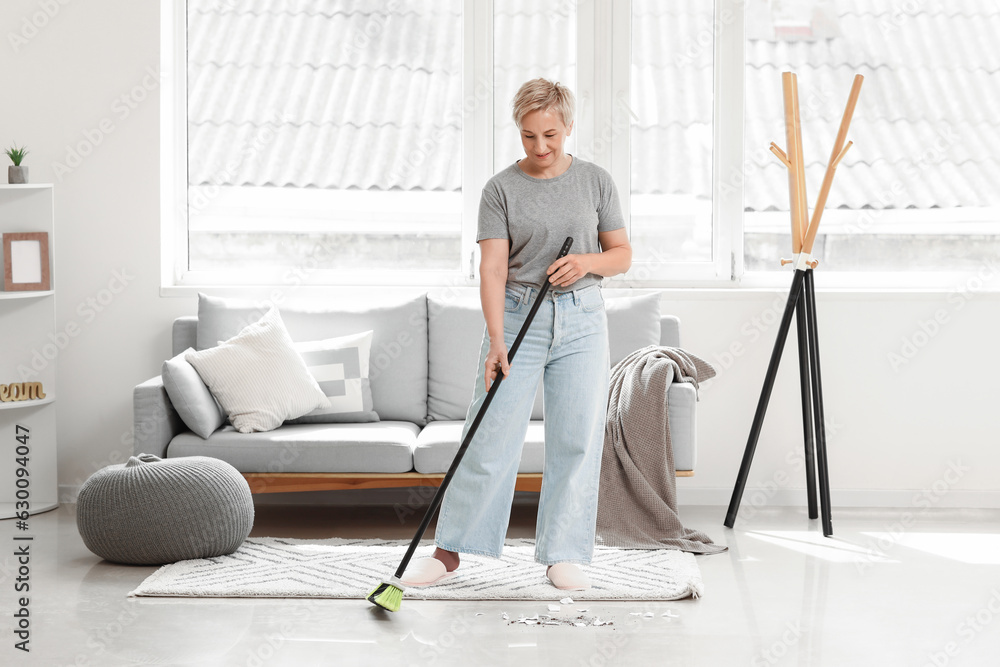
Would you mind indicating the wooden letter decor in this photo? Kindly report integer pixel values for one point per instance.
(21, 391)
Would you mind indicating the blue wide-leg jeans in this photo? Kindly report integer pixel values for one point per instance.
(567, 344)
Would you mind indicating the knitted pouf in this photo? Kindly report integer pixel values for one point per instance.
(152, 511)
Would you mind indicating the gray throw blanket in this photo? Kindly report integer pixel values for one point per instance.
(637, 503)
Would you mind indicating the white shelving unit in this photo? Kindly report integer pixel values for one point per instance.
(29, 350)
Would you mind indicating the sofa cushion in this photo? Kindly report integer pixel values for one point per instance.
(184, 334)
(438, 444)
(340, 366)
(258, 377)
(362, 448)
(633, 323)
(456, 330)
(399, 341)
(190, 396)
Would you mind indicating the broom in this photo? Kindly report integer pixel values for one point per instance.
(389, 594)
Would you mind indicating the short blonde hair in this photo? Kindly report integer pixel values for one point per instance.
(540, 95)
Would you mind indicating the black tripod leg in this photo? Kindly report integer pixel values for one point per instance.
(807, 421)
(794, 295)
(818, 418)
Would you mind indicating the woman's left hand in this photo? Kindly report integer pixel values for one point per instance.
(567, 270)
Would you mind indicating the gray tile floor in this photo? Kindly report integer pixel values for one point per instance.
(879, 593)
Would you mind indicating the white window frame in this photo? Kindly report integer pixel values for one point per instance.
(847, 281)
(173, 142)
(603, 68)
(727, 206)
(177, 279)
(603, 83)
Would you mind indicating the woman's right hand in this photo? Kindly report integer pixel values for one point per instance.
(496, 358)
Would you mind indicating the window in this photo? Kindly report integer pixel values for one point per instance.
(918, 190)
(532, 39)
(330, 165)
(325, 136)
(625, 62)
(344, 143)
(671, 114)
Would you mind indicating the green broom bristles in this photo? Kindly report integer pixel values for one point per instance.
(388, 595)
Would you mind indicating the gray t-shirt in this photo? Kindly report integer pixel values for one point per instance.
(537, 214)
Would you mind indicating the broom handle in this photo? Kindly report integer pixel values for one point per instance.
(436, 500)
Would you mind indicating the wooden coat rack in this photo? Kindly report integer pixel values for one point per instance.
(802, 302)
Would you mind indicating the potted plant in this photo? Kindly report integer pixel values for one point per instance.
(17, 173)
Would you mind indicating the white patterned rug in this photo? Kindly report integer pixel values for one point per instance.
(338, 568)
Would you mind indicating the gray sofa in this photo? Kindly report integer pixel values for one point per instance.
(424, 358)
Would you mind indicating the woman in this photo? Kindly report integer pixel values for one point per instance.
(526, 212)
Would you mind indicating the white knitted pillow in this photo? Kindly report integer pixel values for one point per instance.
(258, 377)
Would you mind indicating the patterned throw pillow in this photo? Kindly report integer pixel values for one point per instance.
(340, 366)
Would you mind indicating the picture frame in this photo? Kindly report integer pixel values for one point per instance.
(26, 261)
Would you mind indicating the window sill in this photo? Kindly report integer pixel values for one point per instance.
(838, 285)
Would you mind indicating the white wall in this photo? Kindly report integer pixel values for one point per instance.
(62, 84)
(893, 432)
(893, 429)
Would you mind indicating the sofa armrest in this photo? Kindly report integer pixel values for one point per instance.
(670, 331)
(681, 399)
(154, 418)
